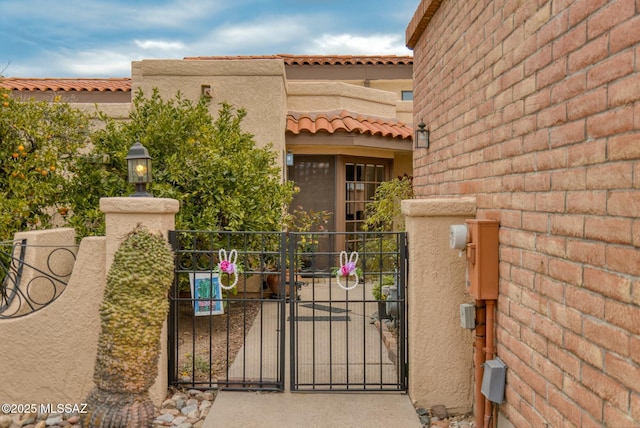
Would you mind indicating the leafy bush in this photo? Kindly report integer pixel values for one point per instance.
(384, 215)
(376, 290)
(222, 180)
(38, 143)
(384, 212)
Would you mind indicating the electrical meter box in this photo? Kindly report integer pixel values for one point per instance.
(493, 380)
(482, 259)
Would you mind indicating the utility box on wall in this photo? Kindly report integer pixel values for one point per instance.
(493, 380)
(482, 259)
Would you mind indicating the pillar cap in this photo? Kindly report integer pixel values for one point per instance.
(439, 207)
(139, 205)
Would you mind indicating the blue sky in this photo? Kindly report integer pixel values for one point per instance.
(100, 38)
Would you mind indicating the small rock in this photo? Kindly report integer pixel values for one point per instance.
(185, 425)
(188, 409)
(440, 424)
(174, 412)
(440, 411)
(204, 404)
(193, 420)
(209, 396)
(192, 402)
(168, 404)
(53, 420)
(179, 420)
(74, 419)
(193, 392)
(166, 418)
(28, 419)
(204, 413)
(5, 421)
(180, 403)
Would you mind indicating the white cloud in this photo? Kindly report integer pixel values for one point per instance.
(95, 63)
(159, 45)
(267, 32)
(267, 35)
(360, 45)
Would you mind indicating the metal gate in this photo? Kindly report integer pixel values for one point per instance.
(341, 337)
(234, 292)
(226, 329)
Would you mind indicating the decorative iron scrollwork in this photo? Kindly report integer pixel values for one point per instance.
(26, 287)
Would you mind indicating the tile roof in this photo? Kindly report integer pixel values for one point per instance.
(336, 121)
(319, 59)
(66, 84)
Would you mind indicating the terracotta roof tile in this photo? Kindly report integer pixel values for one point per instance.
(66, 84)
(344, 121)
(318, 59)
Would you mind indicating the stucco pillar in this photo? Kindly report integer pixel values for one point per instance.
(123, 215)
(440, 351)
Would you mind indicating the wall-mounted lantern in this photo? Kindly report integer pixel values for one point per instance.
(139, 168)
(289, 159)
(422, 136)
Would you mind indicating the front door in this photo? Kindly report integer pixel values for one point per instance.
(362, 176)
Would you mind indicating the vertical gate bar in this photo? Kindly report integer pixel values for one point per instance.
(211, 303)
(402, 311)
(261, 312)
(313, 336)
(364, 312)
(193, 319)
(380, 322)
(346, 333)
(293, 343)
(331, 365)
(172, 327)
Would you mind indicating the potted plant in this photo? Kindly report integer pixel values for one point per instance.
(377, 292)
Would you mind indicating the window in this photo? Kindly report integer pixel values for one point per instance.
(407, 95)
(362, 180)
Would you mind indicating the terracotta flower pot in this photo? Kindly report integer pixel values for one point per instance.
(273, 281)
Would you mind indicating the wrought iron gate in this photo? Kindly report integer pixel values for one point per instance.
(341, 337)
(227, 324)
(226, 330)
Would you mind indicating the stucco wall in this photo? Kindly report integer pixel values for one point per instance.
(328, 96)
(440, 351)
(122, 216)
(55, 347)
(256, 85)
(48, 355)
(402, 164)
(118, 111)
(534, 107)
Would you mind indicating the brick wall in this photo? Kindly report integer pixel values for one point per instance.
(534, 106)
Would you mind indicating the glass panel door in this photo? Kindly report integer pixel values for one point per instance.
(362, 178)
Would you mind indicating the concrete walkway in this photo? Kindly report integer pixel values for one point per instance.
(309, 409)
(233, 409)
